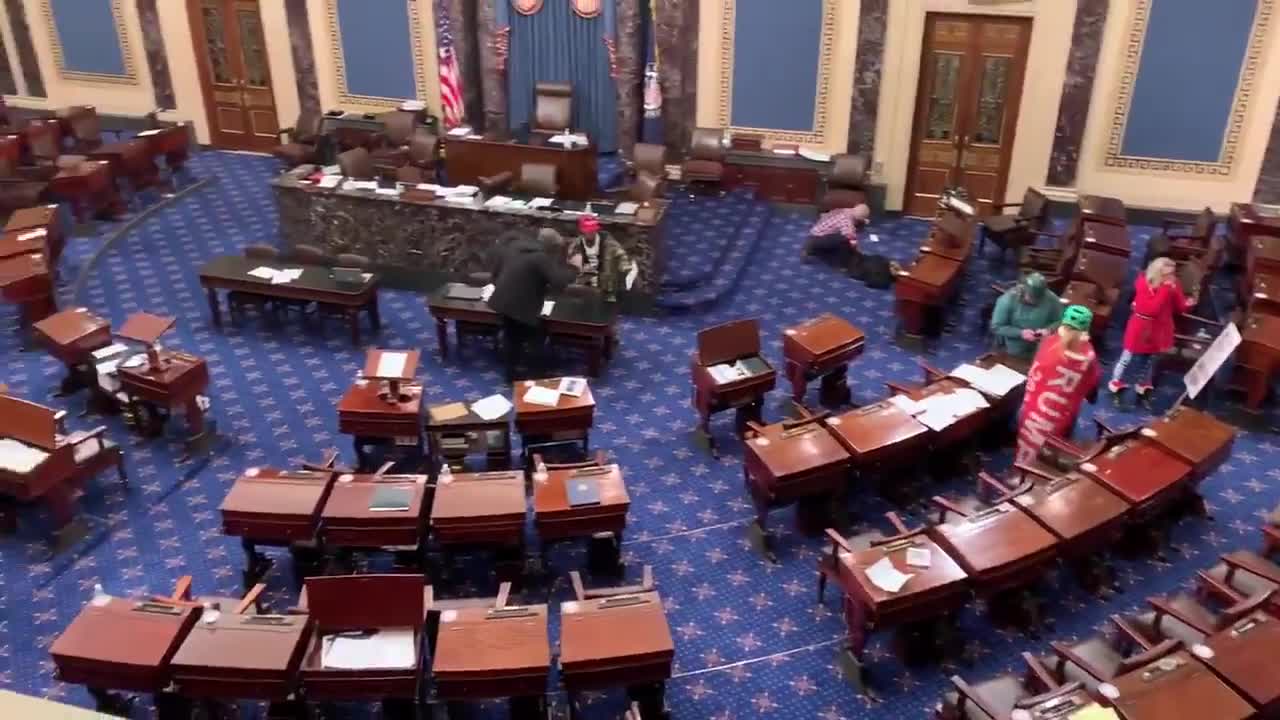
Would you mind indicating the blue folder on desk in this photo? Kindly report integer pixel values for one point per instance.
(583, 491)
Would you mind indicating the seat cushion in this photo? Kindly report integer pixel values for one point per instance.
(1000, 223)
(843, 198)
(294, 153)
(1000, 694)
(703, 170)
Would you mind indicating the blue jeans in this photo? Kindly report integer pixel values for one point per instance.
(1142, 365)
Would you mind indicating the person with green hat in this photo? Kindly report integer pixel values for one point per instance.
(1024, 315)
(1065, 372)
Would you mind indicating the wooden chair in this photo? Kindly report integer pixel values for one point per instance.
(705, 162)
(422, 158)
(1241, 575)
(1186, 240)
(182, 597)
(581, 592)
(1019, 230)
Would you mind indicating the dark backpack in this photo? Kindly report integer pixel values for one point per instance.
(874, 272)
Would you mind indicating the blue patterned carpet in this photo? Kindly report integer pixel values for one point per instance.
(751, 642)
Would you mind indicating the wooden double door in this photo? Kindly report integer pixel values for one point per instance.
(235, 76)
(971, 74)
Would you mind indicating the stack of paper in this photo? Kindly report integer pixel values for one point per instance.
(996, 381)
(573, 387)
(887, 577)
(329, 181)
(626, 208)
(263, 273)
(906, 405)
(457, 190)
(728, 372)
(547, 307)
(497, 201)
(286, 275)
(569, 139)
(492, 407)
(360, 185)
(395, 191)
(382, 649)
(943, 409)
(460, 131)
(391, 364)
(486, 292)
(540, 203)
(814, 155)
(539, 395)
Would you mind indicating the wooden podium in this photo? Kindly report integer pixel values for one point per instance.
(168, 378)
(384, 406)
(821, 348)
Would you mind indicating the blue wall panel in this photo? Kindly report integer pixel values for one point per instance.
(775, 63)
(377, 50)
(87, 33)
(1187, 78)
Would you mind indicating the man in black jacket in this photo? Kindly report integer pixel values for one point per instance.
(523, 274)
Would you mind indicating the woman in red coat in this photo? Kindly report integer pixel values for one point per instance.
(1149, 332)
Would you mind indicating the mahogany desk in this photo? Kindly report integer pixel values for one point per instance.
(24, 242)
(1004, 407)
(1255, 238)
(482, 509)
(1262, 257)
(964, 429)
(274, 508)
(180, 381)
(348, 523)
(926, 602)
(821, 347)
(622, 640)
(172, 141)
(130, 160)
(1105, 236)
(585, 321)
(1244, 657)
(42, 216)
(1001, 548)
(777, 178)
(242, 657)
(27, 281)
(316, 284)
(453, 440)
(71, 336)
(1265, 296)
(1257, 358)
(556, 519)
(1102, 209)
(728, 343)
(1099, 300)
(1189, 690)
(1086, 518)
(1099, 265)
(484, 653)
(570, 419)
(469, 159)
(90, 188)
(922, 291)
(1141, 473)
(371, 419)
(794, 462)
(123, 645)
(1197, 438)
(880, 437)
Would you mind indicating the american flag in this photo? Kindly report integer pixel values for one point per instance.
(450, 77)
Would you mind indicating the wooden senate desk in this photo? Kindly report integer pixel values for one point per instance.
(1103, 235)
(1001, 548)
(796, 461)
(122, 645)
(734, 344)
(230, 656)
(821, 347)
(90, 188)
(482, 509)
(24, 242)
(1244, 657)
(1264, 297)
(1257, 358)
(1197, 438)
(40, 217)
(577, 320)
(26, 280)
(1253, 232)
(275, 508)
(1141, 473)
(617, 641)
(555, 516)
(927, 602)
(569, 420)
(468, 159)
(179, 381)
(413, 233)
(777, 178)
(365, 413)
(362, 514)
(71, 336)
(922, 292)
(316, 284)
(1102, 209)
(963, 431)
(173, 141)
(499, 652)
(130, 160)
(1177, 686)
(881, 438)
(451, 438)
(1096, 265)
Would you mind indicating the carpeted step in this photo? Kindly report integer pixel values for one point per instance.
(700, 234)
(731, 266)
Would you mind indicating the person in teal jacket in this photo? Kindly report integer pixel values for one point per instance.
(1024, 315)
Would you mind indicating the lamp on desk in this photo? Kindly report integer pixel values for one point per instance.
(146, 328)
(392, 367)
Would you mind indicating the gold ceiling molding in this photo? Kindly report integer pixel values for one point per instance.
(821, 112)
(1250, 67)
(130, 76)
(416, 49)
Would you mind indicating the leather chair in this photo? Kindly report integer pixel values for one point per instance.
(649, 158)
(552, 108)
(644, 188)
(1242, 574)
(1014, 232)
(389, 149)
(352, 260)
(1194, 235)
(19, 187)
(1102, 658)
(535, 179)
(846, 185)
(705, 163)
(310, 255)
(239, 301)
(44, 143)
(424, 154)
(300, 142)
(356, 164)
(82, 124)
(997, 698)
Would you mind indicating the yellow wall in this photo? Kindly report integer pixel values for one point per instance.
(1171, 190)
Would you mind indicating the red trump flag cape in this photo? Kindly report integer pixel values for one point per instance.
(1059, 381)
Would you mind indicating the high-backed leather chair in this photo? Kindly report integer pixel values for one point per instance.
(44, 142)
(644, 188)
(19, 188)
(352, 260)
(705, 163)
(650, 158)
(424, 152)
(846, 184)
(552, 107)
(81, 123)
(356, 164)
(389, 149)
(535, 179)
(310, 255)
(300, 142)
(1016, 231)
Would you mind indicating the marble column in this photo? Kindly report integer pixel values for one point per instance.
(1077, 91)
(26, 50)
(865, 106)
(157, 60)
(1268, 188)
(630, 59)
(676, 28)
(8, 84)
(464, 30)
(493, 79)
(304, 57)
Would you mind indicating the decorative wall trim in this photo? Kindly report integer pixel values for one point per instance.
(130, 76)
(1249, 69)
(416, 46)
(822, 99)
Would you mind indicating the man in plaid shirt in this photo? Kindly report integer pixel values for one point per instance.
(835, 234)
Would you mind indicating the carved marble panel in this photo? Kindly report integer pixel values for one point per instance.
(157, 59)
(26, 50)
(1268, 188)
(304, 58)
(1077, 90)
(872, 18)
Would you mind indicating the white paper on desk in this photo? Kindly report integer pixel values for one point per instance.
(146, 133)
(814, 155)
(460, 131)
(497, 201)
(972, 374)
(33, 234)
(429, 186)
(626, 208)
(547, 307)
(919, 557)
(573, 387)
(332, 170)
(382, 649)
(887, 577)
(632, 274)
(724, 372)
(492, 407)
(783, 151)
(540, 202)
(1004, 378)
(906, 404)
(936, 420)
(486, 292)
(263, 273)
(388, 191)
(391, 364)
(539, 395)
(516, 205)
(285, 276)
(329, 181)
(460, 199)
(109, 351)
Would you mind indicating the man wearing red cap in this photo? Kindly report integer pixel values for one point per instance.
(605, 264)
